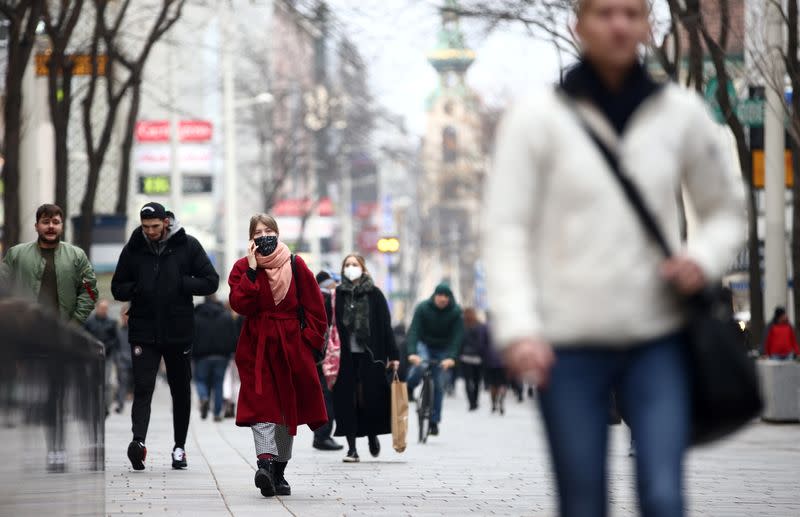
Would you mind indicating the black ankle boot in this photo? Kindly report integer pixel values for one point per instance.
(281, 485)
(265, 477)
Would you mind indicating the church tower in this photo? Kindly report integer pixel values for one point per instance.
(453, 164)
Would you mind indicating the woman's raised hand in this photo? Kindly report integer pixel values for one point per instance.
(251, 255)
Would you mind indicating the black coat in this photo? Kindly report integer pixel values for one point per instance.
(106, 331)
(214, 331)
(160, 287)
(373, 414)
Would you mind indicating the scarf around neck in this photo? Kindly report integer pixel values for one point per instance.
(279, 271)
(355, 316)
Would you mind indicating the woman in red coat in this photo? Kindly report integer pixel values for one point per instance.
(280, 387)
(781, 341)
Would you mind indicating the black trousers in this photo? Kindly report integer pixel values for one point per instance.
(472, 381)
(146, 361)
(324, 432)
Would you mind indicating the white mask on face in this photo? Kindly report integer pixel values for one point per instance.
(353, 273)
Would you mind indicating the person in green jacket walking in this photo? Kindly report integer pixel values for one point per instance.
(60, 277)
(57, 274)
(436, 332)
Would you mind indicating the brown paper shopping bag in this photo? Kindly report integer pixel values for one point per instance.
(399, 414)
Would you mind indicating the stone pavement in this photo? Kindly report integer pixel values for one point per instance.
(481, 464)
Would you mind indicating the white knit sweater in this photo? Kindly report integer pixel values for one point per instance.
(567, 259)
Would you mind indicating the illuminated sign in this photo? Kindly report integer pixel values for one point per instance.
(82, 64)
(160, 185)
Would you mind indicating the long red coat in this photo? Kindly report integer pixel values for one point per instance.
(276, 365)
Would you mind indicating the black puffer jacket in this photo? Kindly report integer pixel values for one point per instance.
(214, 331)
(159, 281)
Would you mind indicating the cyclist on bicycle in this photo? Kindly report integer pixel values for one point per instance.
(436, 332)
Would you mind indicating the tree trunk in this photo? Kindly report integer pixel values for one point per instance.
(87, 207)
(60, 109)
(21, 35)
(11, 176)
(796, 231)
(127, 148)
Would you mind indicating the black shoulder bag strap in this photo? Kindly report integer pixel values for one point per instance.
(628, 187)
(301, 312)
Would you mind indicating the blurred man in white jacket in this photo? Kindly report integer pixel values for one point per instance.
(584, 301)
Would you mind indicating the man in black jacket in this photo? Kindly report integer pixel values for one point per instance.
(322, 436)
(158, 272)
(215, 340)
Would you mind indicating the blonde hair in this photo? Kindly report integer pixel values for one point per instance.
(265, 219)
(361, 262)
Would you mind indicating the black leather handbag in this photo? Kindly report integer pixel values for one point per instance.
(724, 386)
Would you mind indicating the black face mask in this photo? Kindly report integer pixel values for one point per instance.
(266, 244)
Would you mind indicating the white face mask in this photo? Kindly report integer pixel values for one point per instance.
(353, 272)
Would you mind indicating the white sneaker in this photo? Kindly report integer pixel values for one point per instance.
(178, 458)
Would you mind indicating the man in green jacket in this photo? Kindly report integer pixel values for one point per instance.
(57, 274)
(436, 332)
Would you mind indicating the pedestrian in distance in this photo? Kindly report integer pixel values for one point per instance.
(436, 332)
(123, 362)
(322, 436)
(215, 340)
(584, 302)
(781, 341)
(495, 374)
(231, 384)
(362, 395)
(476, 340)
(61, 279)
(160, 269)
(284, 329)
(104, 328)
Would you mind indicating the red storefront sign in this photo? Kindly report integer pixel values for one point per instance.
(188, 131)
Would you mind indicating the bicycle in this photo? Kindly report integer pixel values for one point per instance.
(425, 400)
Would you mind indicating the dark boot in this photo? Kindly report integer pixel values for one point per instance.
(204, 406)
(265, 477)
(281, 485)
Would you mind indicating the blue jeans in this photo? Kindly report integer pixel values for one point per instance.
(415, 377)
(652, 386)
(209, 374)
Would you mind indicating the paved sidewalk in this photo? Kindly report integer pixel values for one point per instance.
(481, 464)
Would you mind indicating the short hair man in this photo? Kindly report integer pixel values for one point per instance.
(58, 274)
(160, 269)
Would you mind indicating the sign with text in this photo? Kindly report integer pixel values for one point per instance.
(759, 167)
(156, 158)
(160, 185)
(82, 64)
(151, 131)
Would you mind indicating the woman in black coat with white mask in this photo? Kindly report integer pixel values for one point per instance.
(361, 395)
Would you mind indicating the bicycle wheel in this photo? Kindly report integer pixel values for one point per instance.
(425, 408)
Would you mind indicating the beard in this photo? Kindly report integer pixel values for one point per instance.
(44, 239)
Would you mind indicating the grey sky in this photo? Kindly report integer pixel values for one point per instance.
(394, 37)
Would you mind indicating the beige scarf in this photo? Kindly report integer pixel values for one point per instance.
(279, 271)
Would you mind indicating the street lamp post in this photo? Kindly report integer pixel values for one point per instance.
(775, 183)
(229, 106)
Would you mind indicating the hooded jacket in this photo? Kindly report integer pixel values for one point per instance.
(214, 331)
(77, 285)
(437, 328)
(159, 280)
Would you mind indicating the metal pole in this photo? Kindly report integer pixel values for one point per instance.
(347, 204)
(231, 253)
(775, 182)
(175, 173)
